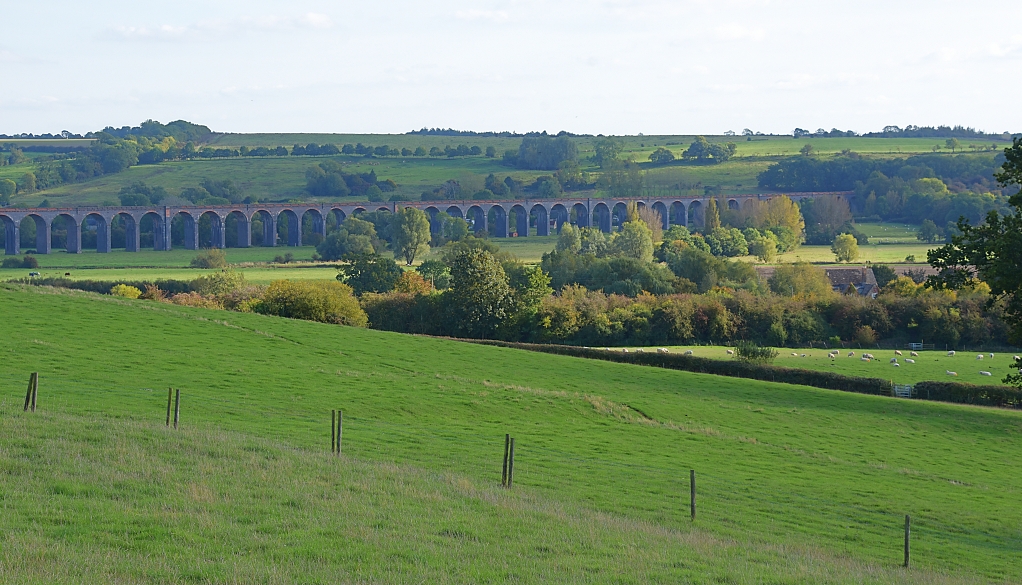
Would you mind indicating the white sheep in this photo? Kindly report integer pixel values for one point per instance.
(662, 350)
(851, 354)
(914, 353)
(982, 373)
(793, 354)
(951, 353)
(1016, 358)
(950, 373)
(897, 365)
(894, 360)
(897, 352)
(639, 350)
(689, 352)
(979, 357)
(910, 360)
(731, 352)
(991, 356)
(625, 350)
(864, 359)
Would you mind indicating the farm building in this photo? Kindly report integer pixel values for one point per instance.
(853, 280)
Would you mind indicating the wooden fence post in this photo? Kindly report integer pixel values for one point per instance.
(333, 431)
(170, 398)
(503, 472)
(511, 463)
(35, 388)
(692, 491)
(908, 533)
(28, 393)
(340, 429)
(177, 406)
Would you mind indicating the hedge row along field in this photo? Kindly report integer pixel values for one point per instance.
(941, 391)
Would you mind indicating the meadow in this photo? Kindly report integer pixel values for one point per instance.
(283, 178)
(795, 484)
(929, 364)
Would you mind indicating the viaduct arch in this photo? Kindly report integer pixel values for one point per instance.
(503, 218)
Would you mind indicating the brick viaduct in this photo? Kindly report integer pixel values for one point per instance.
(546, 215)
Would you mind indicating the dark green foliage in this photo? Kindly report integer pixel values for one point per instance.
(369, 273)
(25, 262)
(748, 351)
(703, 151)
(1003, 396)
(328, 179)
(355, 237)
(480, 294)
(140, 194)
(544, 152)
(171, 287)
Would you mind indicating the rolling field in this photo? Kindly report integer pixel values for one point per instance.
(929, 365)
(795, 484)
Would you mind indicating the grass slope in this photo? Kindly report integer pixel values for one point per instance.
(781, 468)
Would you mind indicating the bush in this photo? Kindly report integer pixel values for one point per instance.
(1004, 396)
(103, 286)
(326, 302)
(210, 258)
(26, 262)
(748, 351)
(219, 283)
(154, 293)
(123, 290)
(194, 299)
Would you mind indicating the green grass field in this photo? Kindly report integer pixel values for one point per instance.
(929, 365)
(276, 178)
(796, 484)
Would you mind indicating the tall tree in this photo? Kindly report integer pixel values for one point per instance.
(991, 252)
(410, 230)
(845, 248)
(480, 297)
(711, 217)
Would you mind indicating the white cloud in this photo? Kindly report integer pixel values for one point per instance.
(267, 23)
(738, 32)
(490, 15)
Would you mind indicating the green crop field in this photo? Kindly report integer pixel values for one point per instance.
(929, 365)
(876, 253)
(796, 485)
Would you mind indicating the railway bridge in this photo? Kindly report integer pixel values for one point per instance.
(504, 218)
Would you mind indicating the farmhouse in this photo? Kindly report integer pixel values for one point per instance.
(853, 280)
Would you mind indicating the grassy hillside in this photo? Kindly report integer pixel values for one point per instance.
(276, 178)
(796, 484)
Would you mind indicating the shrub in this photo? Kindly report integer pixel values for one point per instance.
(219, 283)
(210, 258)
(865, 335)
(285, 259)
(154, 293)
(194, 299)
(123, 290)
(26, 262)
(969, 394)
(326, 302)
(748, 351)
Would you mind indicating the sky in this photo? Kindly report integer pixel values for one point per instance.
(610, 67)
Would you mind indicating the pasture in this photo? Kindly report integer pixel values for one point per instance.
(795, 484)
(929, 364)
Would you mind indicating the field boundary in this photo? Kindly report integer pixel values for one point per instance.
(1000, 396)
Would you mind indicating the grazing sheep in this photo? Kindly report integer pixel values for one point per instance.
(951, 353)
(689, 352)
(914, 353)
(864, 359)
(894, 360)
(731, 352)
(851, 354)
(625, 350)
(793, 354)
(639, 350)
(897, 365)
(897, 352)
(950, 373)
(910, 360)
(979, 357)
(662, 350)
(1016, 358)
(982, 373)
(991, 356)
